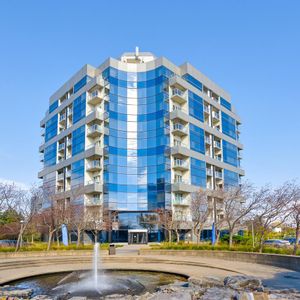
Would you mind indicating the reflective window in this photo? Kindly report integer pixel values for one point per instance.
(196, 106)
(230, 153)
(198, 172)
(197, 139)
(53, 106)
(51, 128)
(50, 155)
(230, 178)
(78, 140)
(225, 103)
(81, 83)
(77, 177)
(228, 125)
(193, 81)
(79, 108)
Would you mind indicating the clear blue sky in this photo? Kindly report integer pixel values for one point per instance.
(250, 48)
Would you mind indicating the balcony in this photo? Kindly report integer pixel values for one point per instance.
(61, 147)
(209, 172)
(178, 96)
(217, 145)
(95, 97)
(94, 130)
(60, 176)
(93, 165)
(93, 186)
(60, 189)
(70, 111)
(68, 173)
(218, 175)
(215, 116)
(69, 142)
(217, 157)
(208, 140)
(179, 144)
(179, 129)
(206, 109)
(62, 118)
(179, 164)
(180, 202)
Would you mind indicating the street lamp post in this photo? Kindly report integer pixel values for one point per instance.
(21, 233)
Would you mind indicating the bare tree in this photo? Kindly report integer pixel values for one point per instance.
(238, 203)
(294, 216)
(165, 221)
(77, 221)
(26, 208)
(273, 209)
(94, 220)
(200, 212)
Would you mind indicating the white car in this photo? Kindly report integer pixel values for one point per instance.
(277, 243)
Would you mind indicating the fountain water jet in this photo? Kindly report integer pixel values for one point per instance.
(95, 264)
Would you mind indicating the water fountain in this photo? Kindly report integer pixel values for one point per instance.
(95, 264)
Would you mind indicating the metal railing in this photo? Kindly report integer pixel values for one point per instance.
(180, 163)
(94, 164)
(209, 172)
(61, 147)
(215, 115)
(178, 92)
(94, 128)
(217, 144)
(218, 175)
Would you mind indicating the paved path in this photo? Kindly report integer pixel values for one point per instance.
(127, 258)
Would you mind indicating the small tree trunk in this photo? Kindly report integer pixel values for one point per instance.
(230, 238)
(177, 236)
(198, 237)
(261, 244)
(297, 239)
(218, 237)
(57, 239)
(78, 237)
(50, 239)
(170, 236)
(18, 243)
(32, 238)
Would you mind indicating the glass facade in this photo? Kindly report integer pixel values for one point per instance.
(231, 179)
(53, 106)
(79, 108)
(225, 103)
(228, 125)
(198, 172)
(77, 177)
(193, 81)
(81, 83)
(196, 106)
(78, 140)
(50, 155)
(230, 153)
(197, 139)
(135, 174)
(51, 128)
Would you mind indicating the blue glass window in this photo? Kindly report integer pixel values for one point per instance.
(197, 139)
(231, 179)
(79, 108)
(225, 103)
(51, 128)
(196, 106)
(77, 177)
(78, 140)
(53, 106)
(81, 83)
(193, 81)
(230, 153)
(228, 125)
(50, 155)
(198, 172)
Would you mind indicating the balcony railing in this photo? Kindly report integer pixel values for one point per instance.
(68, 173)
(69, 142)
(180, 144)
(206, 109)
(70, 111)
(179, 201)
(215, 115)
(209, 172)
(217, 157)
(94, 181)
(62, 117)
(94, 129)
(60, 176)
(180, 163)
(218, 175)
(207, 140)
(180, 127)
(61, 147)
(217, 144)
(181, 180)
(177, 92)
(94, 164)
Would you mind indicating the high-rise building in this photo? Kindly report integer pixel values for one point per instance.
(138, 135)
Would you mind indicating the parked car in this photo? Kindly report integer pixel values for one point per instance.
(292, 240)
(277, 243)
(8, 243)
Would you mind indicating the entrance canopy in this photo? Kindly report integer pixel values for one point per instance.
(137, 236)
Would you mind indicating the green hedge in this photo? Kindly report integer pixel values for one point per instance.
(220, 247)
(54, 247)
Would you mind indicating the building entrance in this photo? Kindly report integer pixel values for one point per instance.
(138, 236)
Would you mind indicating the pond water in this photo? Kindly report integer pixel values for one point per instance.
(81, 283)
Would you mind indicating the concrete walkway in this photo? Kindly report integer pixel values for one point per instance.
(12, 268)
